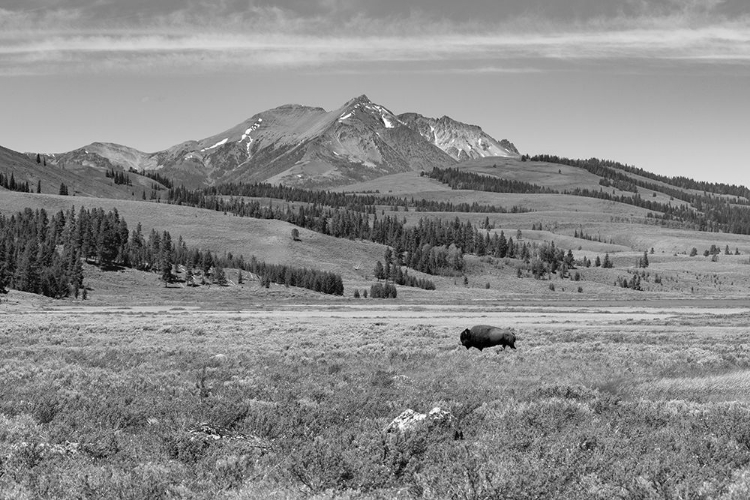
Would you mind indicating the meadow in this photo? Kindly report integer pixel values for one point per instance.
(646, 400)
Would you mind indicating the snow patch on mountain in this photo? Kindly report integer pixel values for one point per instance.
(220, 143)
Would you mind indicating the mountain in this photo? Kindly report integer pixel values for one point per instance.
(306, 146)
(459, 140)
(82, 171)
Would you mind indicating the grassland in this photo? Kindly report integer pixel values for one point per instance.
(596, 402)
(612, 393)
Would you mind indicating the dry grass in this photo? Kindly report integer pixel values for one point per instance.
(594, 403)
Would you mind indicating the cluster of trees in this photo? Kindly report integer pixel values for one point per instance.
(634, 283)
(585, 236)
(119, 177)
(714, 250)
(34, 257)
(43, 255)
(11, 184)
(548, 259)
(393, 271)
(458, 179)
(622, 185)
(165, 181)
(383, 291)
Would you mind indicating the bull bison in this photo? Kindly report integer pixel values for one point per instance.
(481, 336)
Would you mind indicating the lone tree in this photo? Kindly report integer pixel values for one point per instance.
(295, 234)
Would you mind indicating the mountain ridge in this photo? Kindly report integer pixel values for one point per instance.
(301, 145)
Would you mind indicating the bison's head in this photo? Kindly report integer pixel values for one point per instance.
(466, 338)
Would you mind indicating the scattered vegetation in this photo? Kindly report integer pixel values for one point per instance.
(180, 405)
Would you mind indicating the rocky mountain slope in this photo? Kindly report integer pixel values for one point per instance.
(459, 140)
(306, 146)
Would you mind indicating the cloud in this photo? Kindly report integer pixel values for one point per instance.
(180, 41)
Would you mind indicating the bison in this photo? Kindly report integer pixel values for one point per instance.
(481, 336)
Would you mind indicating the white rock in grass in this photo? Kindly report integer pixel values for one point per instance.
(410, 419)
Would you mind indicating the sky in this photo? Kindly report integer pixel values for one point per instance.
(660, 84)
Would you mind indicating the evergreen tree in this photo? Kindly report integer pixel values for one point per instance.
(220, 277)
(379, 271)
(38, 186)
(166, 270)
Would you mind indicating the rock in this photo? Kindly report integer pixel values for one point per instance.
(207, 432)
(410, 420)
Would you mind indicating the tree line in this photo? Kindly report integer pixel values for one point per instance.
(11, 184)
(613, 170)
(458, 179)
(42, 254)
(118, 177)
(365, 203)
(707, 213)
(161, 179)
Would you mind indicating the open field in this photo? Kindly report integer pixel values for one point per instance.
(640, 400)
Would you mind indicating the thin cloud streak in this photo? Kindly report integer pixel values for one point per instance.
(173, 46)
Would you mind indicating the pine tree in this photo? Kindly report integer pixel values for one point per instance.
(379, 270)
(220, 277)
(166, 269)
(38, 186)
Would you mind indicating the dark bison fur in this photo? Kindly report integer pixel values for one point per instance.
(482, 336)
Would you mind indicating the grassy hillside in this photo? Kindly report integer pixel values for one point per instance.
(81, 180)
(672, 273)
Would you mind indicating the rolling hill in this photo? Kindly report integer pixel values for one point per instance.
(590, 207)
(84, 176)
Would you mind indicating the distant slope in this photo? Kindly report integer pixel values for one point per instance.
(459, 140)
(306, 146)
(83, 178)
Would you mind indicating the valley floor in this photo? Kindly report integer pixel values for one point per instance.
(600, 400)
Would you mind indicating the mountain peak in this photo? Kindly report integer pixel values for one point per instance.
(363, 99)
